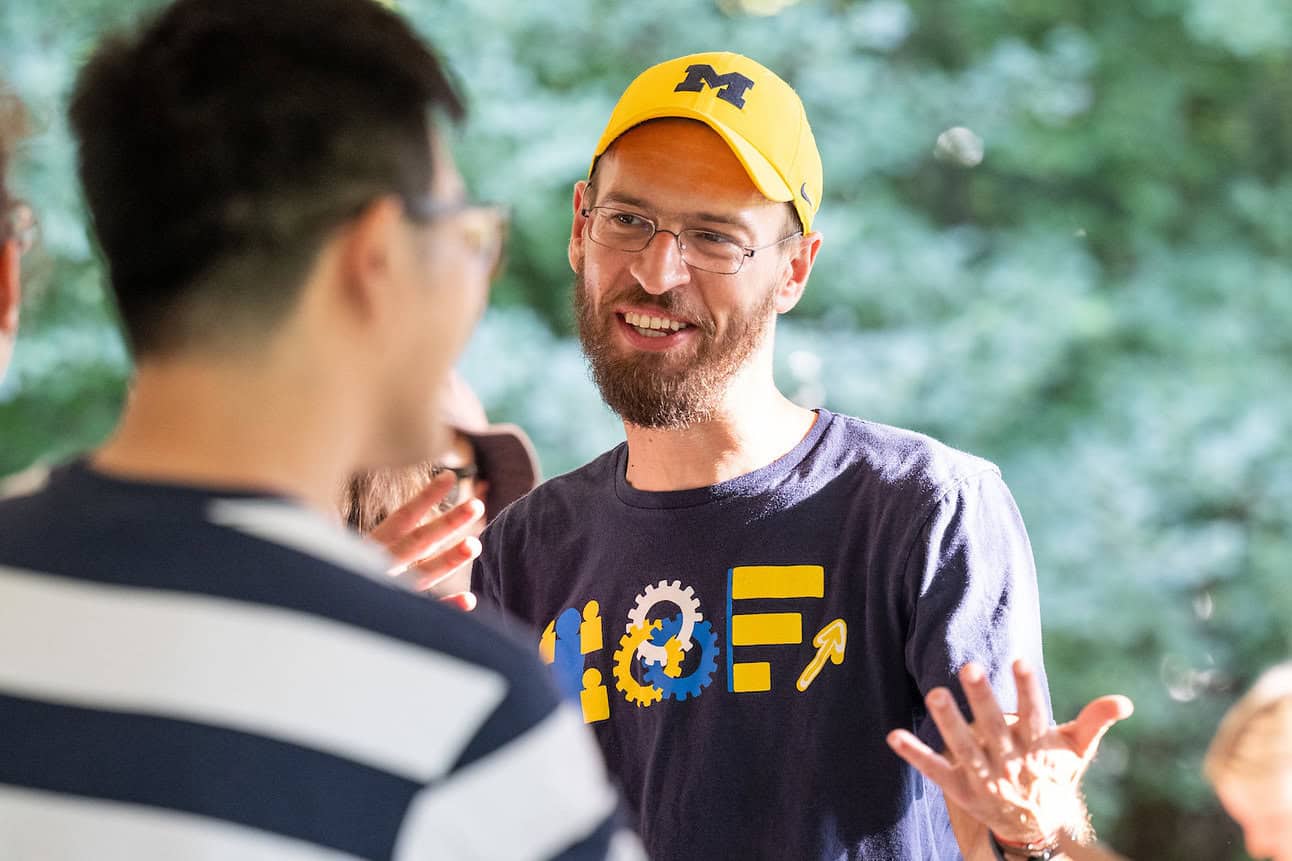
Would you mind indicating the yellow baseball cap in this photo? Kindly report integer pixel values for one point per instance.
(759, 116)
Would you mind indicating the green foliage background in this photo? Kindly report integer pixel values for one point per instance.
(1102, 307)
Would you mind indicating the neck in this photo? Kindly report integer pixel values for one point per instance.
(754, 425)
(232, 424)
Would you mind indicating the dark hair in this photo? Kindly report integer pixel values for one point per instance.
(13, 128)
(221, 144)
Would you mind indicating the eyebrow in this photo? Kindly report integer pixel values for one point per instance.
(714, 218)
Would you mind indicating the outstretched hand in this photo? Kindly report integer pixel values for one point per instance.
(429, 546)
(1020, 778)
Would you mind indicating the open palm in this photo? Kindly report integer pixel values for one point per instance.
(1018, 775)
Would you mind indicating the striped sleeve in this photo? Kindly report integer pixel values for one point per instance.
(543, 795)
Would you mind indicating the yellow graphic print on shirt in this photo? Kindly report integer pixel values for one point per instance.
(647, 665)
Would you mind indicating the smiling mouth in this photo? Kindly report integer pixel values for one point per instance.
(653, 327)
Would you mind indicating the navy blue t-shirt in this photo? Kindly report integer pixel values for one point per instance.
(743, 649)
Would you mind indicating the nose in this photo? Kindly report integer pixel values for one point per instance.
(659, 266)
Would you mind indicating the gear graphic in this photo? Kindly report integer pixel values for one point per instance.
(625, 656)
(673, 593)
(700, 678)
(666, 636)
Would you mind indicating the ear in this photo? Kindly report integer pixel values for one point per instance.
(576, 229)
(10, 288)
(797, 269)
(373, 252)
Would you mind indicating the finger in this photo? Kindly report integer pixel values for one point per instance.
(456, 559)
(1094, 720)
(925, 760)
(988, 722)
(464, 601)
(436, 532)
(956, 734)
(408, 516)
(1033, 721)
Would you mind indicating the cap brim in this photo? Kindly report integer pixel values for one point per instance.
(507, 461)
(765, 177)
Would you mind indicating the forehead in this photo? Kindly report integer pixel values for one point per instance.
(678, 166)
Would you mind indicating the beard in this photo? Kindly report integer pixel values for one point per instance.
(663, 390)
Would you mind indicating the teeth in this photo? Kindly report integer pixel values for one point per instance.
(647, 323)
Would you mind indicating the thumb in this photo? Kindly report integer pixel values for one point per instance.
(1095, 719)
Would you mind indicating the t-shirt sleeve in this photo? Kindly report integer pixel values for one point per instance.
(530, 784)
(971, 584)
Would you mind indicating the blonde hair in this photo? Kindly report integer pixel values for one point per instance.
(1255, 736)
(370, 497)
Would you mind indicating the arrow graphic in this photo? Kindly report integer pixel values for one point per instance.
(830, 641)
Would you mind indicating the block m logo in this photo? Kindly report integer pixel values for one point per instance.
(731, 87)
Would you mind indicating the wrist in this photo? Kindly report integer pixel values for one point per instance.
(1043, 849)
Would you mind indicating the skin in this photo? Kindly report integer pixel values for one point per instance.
(678, 173)
(329, 393)
(1012, 774)
(10, 298)
(1262, 807)
(462, 453)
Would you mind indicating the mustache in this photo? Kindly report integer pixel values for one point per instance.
(669, 303)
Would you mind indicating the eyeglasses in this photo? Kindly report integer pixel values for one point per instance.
(484, 226)
(463, 474)
(707, 250)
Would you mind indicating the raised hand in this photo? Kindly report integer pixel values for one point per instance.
(429, 546)
(1018, 777)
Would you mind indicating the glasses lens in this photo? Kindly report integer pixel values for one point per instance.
(620, 230)
(454, 496)
(711, 252)
(485, 229)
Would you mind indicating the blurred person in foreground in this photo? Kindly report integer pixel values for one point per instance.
(747, 596)
(16, 224)
(196, 660)
(493, 463)
(1249, 762)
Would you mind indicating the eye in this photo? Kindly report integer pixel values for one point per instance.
(627, 219)
(708, 237)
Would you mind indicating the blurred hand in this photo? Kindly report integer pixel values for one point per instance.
(1020, 778)
(428, 545)
(1074, 851)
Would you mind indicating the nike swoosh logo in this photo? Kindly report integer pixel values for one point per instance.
(803, 194)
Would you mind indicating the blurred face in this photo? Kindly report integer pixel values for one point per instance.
(1262, 807)
(664, 338)
(461, 456)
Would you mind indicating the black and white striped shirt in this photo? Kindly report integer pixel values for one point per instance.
(190, 673)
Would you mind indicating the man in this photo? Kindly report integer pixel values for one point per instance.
(195, 659)
(15, 225)
(747, 596)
